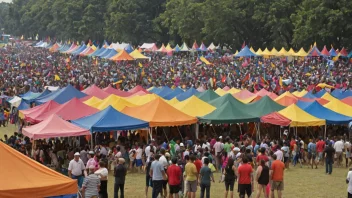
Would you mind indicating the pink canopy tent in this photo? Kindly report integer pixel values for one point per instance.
(71, 110)
(95, 91)
(286, 101)
(325, 51)
(264, 92)
(52, 127)
(226, 88)
(276, 119)
(31, 110)
(201, 89)
(137, 89)
(139, 93)
(117, 92)
(243, 94)
(30, 117)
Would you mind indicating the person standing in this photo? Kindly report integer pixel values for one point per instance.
(191, 177)
(163, 160)
(218, 147)
(204, 179)
(91, 184)
(349, 182)
(329, 158)
(139, 162)
(339, 146)
(312, 153)
(76, 169)
(262, 177)
(120, 173)
(245, 179)
(277, 177)
(348, 153)
(158, 175)
(148, 179)
(320, 150)
(230, 176)
(286, 150)
(174, 174)
(279, 153)
(102, 173)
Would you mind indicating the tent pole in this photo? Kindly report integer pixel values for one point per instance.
(325, 132)
(197, 130)
(179, 133)
(165, 135)
(91, 141)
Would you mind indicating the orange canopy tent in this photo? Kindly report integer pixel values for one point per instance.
(122, 56)
(24, 177)
(159, 113)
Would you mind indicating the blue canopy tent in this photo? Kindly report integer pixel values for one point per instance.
(314, 52)
(173, 94)
(155, 89)
(102, 52)
(129, 48)
(339, 94)
(302, 104)
(33, 96)
(163, 91)
(245, 52)
(320, 93)
(332, 52)
(78, 51)
(309, 95)
(111, 54)
(330, 116)
(61, 96)
(106, 52)
(183, 96)
(110, 119)
(98, 51)
(350, 55)
(23, 105)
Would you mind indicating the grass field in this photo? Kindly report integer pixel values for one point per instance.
(299, 182)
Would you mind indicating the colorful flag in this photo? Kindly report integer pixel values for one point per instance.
(272, 65)
(244, 44)
(336, 57)
(57, 77)
(280, 81)
(246, 78)
(140, 64)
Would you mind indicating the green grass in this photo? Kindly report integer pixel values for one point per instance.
(299, 182)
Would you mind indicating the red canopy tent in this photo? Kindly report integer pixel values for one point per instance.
(276, 119)
(325, 52)
(52, 127)
(31, 114)
(96, 91)
(137, 89)
(117, 92)
(347, 100)
(343, 52)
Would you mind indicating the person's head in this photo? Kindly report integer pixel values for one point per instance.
(102, 164)
(192, 158)
(76, 156)
(91, 169)
(91, 154)
(274, 157)
(248, 151)
(118, 149)
(206, 161)
(245, 160)
(162, 151)
(121, 160)
(174, 160)
(230, 162)
(206, 154)
(330, 144)
(262, 162)
(157, 157)
(187, 158)
(262, 150)
(278, 147)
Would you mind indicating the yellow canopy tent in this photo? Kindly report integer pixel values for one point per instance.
(300, 93)
(301, 53)
(220, 92)
(236, 53)
(137, 55)
(300, 117)
(93, 101)
(252, 50)
(339, 107)
(283, 52)
(274, 52)
(291, 52)
(287, 93)
(116, 102)
(266, 52)
(259, 52)
(329, 97)
(141, 100)
(168, 47)
(122, 56)
(172, 101)
(194, 106)
(233, 91)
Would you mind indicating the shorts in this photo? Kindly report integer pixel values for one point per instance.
(139, 162)
(229, 185)
(312, 156)
(277, 185)
(174, 189)
(339, 155)
(148, 181)
(320, 156)
(191, 186)
(285, 159)
(164, 184)
(245, 189)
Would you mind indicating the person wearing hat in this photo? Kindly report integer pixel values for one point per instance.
(75, 169)
(91, 184)
(120, 173)
(91, 161)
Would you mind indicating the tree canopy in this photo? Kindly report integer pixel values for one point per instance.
(259, 23)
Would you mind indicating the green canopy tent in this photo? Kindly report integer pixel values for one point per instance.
(207, 96)
(227, 98)
(229, 113)
(264, 106)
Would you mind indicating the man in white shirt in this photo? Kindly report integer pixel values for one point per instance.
(339, 146)
(148, 152)
(349, 182)
(218, 147)
(75, 169)
(139, 162)
(279, 154)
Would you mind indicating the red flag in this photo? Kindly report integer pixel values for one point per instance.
(223, 79)
(244, 44)
(246, 78)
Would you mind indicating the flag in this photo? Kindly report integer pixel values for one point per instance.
(77, 43)
(246, 78)
(37, 37)
(244, 44)
(22, 37)
(140, 64)
(223, 79)
(142, 73)
(198, 62)
(336, 57)
(280, 81)
(263, 80)
(315, 44)
(96, 61)
(57, 77)
(272, 65)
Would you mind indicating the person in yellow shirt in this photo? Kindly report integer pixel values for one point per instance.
(191, 177)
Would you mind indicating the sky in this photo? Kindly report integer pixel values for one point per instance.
(5, 0)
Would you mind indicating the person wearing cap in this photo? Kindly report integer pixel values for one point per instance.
(76, 168)
(218, 147)
(120, 173)
(91, 161)
(91, 184)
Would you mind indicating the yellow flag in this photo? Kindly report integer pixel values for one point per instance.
(140, 64)
(69, 41)
(142, 73)
(57, 77)
(280, 81)
(336, 57)
(272, 65)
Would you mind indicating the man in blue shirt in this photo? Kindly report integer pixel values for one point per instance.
(312, 153)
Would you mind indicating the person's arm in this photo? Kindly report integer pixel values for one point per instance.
(164, 175)
(70, 170)
(200, 176)
(270, 174)
(252, 181)
(151, 172)
(83, 191)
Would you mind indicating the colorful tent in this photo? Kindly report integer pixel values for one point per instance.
(194, 106)
(122, 56)
(276, 119)
(183, 96)
(53, 126)
(245, 52)
(325, 51)
(172, 101)
(23, 105)
(115, 101)
(31, 114)
(300, 93)
(343, 52)
(266, 52)
(328, 96)
(61, 96)
(202, 48)
(264, 106)
(177, 91)
(252, 50)
(301, 53)
(93, 101)
(117, 92)
(160, 113)
(162, 49)
(33, 96)
(287, 93)
(291, 52)
(168, 47)
(39, 180)
(274, 52)
(314, 52)
(201, 89)
(149, 47)
(195, 46)
(331, 117)
(15, 101)
(332, 52)
(347, 100)
(228, 113)
(227, 98)
(177, 48)
(93, 90)
(299, 117)
(259, 52)
(137, 89)
(283, 52)
(163, 91)
(244, 96)
(137, 55)
(70, 110)
(320, 93)
(220, 92)
(110, 119)
(184, 48)
(264, 92)
(141, 100)
(233, 90)
(208, 95)
(309, 95)
(339, 107)
(286, 101)
(339, 94)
